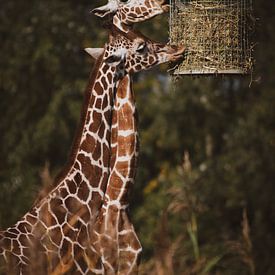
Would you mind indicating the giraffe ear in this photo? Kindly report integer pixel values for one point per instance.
(104, 10)
(95, 52)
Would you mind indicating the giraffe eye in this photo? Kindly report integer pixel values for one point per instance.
(141, 48)
(112, 59)
(123, 1)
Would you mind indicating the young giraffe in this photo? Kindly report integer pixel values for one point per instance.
(125, 13)
(119, 259)
(114, 237)
(60, 224)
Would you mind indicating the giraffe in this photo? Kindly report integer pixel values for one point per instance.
(125, 13)
(60, 225)
(114, 237)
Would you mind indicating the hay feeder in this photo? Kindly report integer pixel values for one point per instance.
(216, 33)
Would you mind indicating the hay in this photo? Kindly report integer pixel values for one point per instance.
(215, 33)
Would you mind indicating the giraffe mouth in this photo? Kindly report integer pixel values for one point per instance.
(177, 53)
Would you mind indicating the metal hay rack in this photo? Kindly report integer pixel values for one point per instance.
(217, 34)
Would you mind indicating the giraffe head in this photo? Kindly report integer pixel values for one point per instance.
(132, 52)
(128, 12)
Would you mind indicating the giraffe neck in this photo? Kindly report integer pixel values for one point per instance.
(59, 224)
(124, 147)
(114, 238)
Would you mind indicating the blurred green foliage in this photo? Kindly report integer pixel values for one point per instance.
(207, 145)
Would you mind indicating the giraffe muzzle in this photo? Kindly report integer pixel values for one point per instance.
(177, 52)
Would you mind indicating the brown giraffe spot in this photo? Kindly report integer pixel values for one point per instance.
(15, 247)
(138, 67)
(126, 145)
(83, 191)
(98, 88)
(56, 235)
(88, 169)
(138, 10)
(63, 192)
(72, 186)
(97, 118)
(123, 168)
(96, 176)
(104, 82)
(97, 152)
(101, 131)
(109, 77)
(132, 14)
(105, 69)
(151, 60)
(78, 178)
(105, 100)
(143, 9)
(106, 155)
(88, 144)
(98, 103)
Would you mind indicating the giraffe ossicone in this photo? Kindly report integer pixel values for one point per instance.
(95, 52)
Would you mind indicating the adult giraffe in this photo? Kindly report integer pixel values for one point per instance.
(60, 225)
